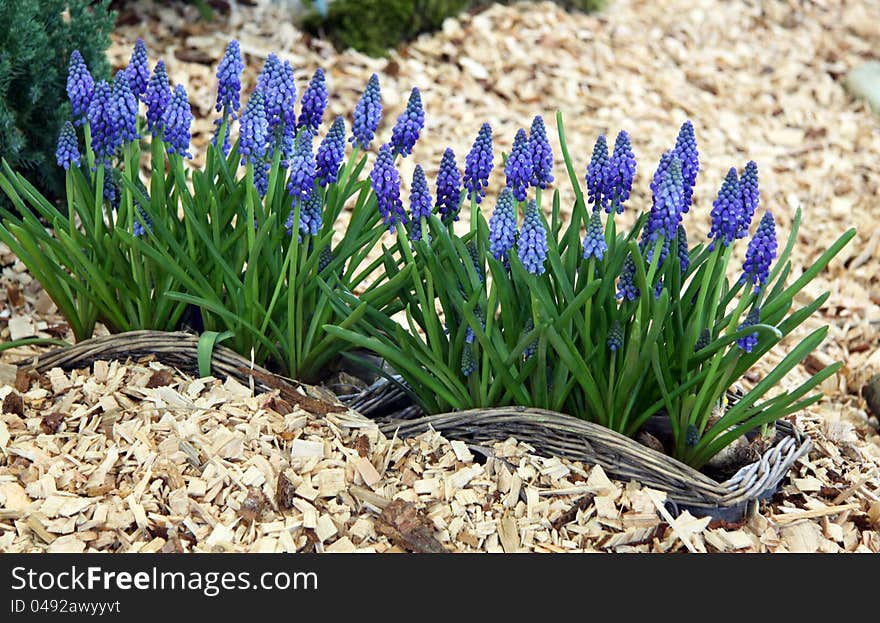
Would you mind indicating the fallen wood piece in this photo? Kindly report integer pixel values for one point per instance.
(408, 527)
(570, 515)
(819, 512)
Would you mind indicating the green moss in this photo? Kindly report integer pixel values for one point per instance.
(375, 26)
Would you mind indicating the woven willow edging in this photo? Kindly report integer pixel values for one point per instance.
(549, 433)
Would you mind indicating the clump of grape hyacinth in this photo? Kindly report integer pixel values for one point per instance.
(302, 167)
(761, 253)
(448, 187)
(518, 168)
(478, 164)
(385, 182)
(157, 97)
(532, 243)
(67, 151)
(420, 201)
(750, 195)
(126, 108)
(80, 87)
(408, 126)
(253, 129)
(177, 121)
(102, 120)
(619, 174)
(367, 114)
(615, 337)
(314, 102)
(594, 242)
(686, 151)
(331, 151)
(726, 211)
(596, 172)
(541, 154)
(138, 71)
(749, 342)
(502, 226)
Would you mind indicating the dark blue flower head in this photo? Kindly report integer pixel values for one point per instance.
(478, 164)
(532, 243)
(229, 80)
(126, 104)
(111, 186)
(692, 436)
(138, 228)
(502, 226)
(615, 335)
(102, 120)
(686, 151)
(67, 151)
(261, 177)
(408, 126)
(331, 151)
(666, 212)
(594, 242)
(749, 342)
(276, 83)
(727, 211)
(703, 341)
(518, 168)
(303, 169)
(314, 102)
(619, 174)
(626, 287)
(596, 172)
(532, 348)
(310, 216)
(367, 114)
(157, 97)
(254, 129)
(177, 120)
(138, 71)
(541, 153)
(468, 362)
(683, 256)
(420, 202)
(385, 182)
(761, 253)
(748, 188)
(448, 187)
(80, 87)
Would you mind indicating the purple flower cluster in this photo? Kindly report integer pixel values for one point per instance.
(229, 80)
(683, 254)
(518, 168)
(748, 189)
(420, 201)
(80, 87)
(126, 105)
(177, 120)
(331, 151)
(478, 164)
(541, 154)
(138, 71)
(385, 182)
(665, 215)
(726, 211)
(468, 362)
(303, 169)
(409, 125)
(67, 151)
(310, 216)
(686, 151)
(615, 337)
(594, 242)
(761, 253)
(596, 173)
(276, 83)
(610, 179)
(626, 286)
(749, 342)
(253, 129)
(502, 226)
(367, 114)
(532, 243)
(448, 187)
(157, 97)
(102, 120)
(314, 102)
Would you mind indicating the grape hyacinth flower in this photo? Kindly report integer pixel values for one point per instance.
(420, 201)
(594, 242)
(303, 169)
(408, 126)
(750, 196)
(468, 362)
(532, 348)
(619, 174)
(126, 109)
(448, 187)
(276, 83)
(310, 216)
(478, 164)
(138, 71)
(80, 88)
(626, 287)
(502, 226)
(518, 168)
(532, 243)
(385, 182)
(157, 97)
(138, 229)
(683, 255)
(692, 436)
(615, 335)
(254, 129)
(314, 102)
(102, 120)
(727, 211)
(67, 151)
(261, 177)
(596, 174)
(761, 253)
(703, 341)
(367, 114)
(177, 120)
(475, 260)
(541, 154)
(665, 215)
(110, 191)
(686, 151)
(229, 81)
(749, 342)
(331, 151)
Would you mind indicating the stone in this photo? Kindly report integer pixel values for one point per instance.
(863, 82)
